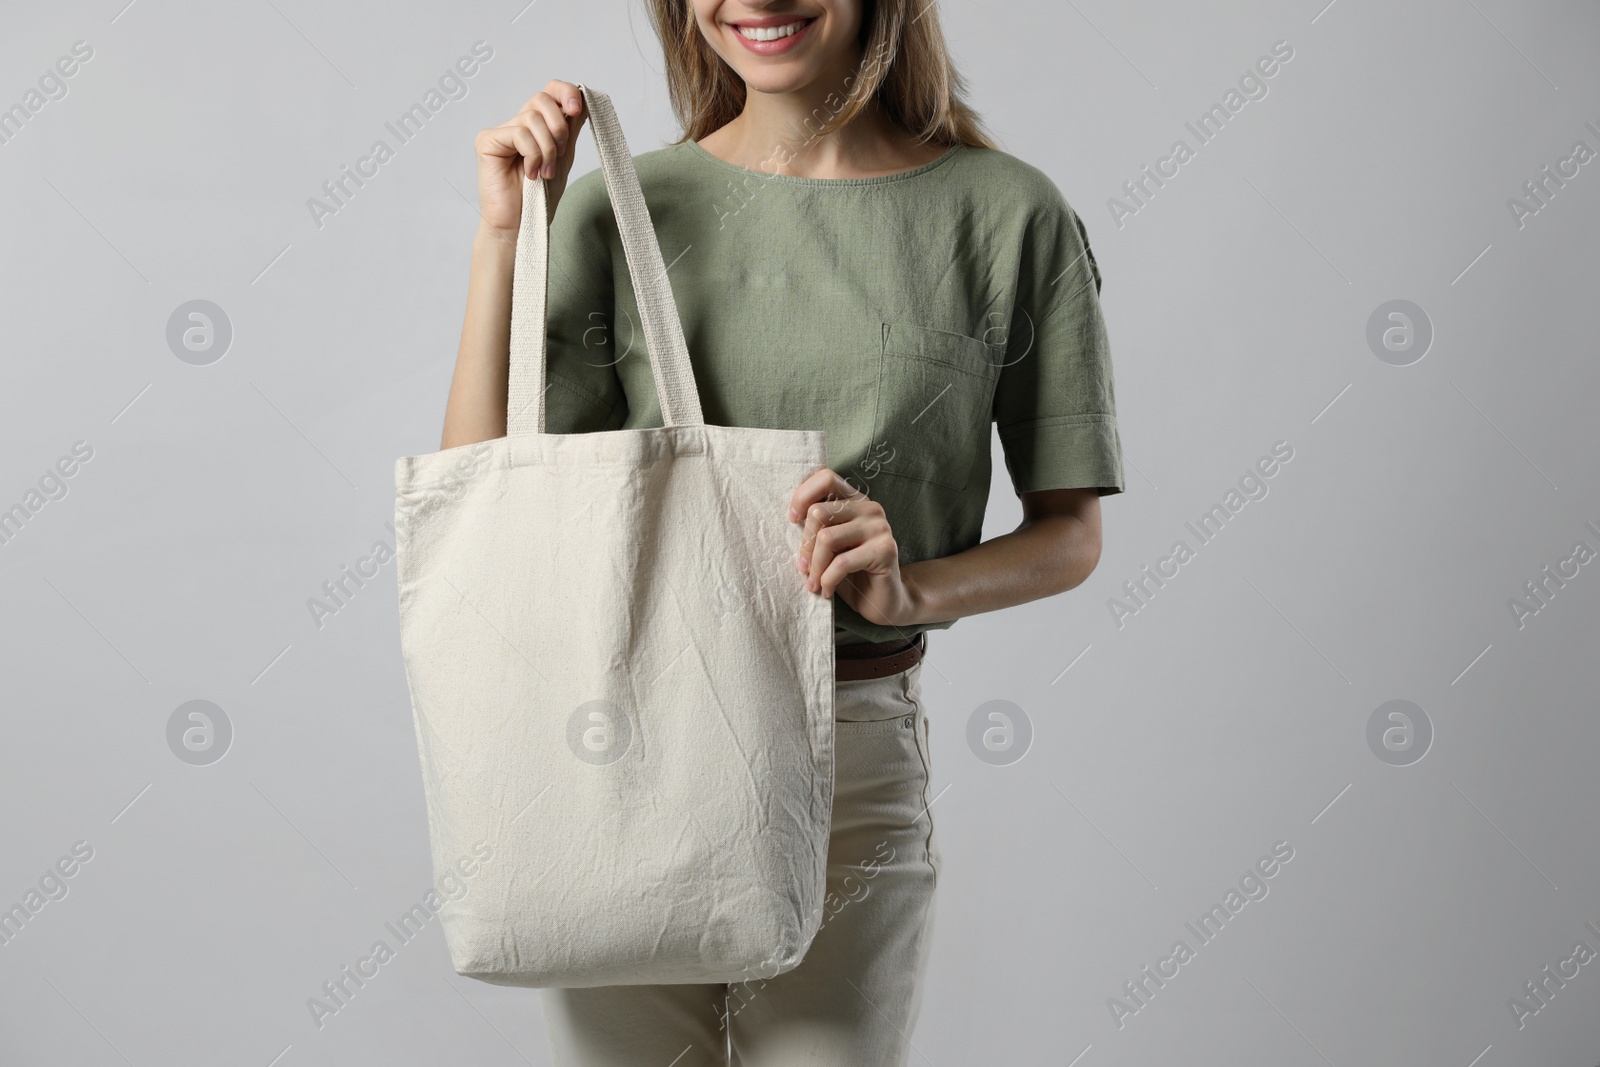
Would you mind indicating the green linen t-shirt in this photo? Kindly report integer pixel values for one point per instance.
(901, 314)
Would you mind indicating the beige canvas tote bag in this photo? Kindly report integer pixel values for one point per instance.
(622, 690)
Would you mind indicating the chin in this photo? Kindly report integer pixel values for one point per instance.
(768, 80)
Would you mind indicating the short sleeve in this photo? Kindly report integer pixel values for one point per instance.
(1055, 404)
(584, 392)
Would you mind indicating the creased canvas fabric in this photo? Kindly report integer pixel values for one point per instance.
(622, 691)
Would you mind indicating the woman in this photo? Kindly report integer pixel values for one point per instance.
(848, 252)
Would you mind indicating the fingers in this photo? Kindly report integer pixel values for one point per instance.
(567, 96)
(820, 485)
(861, 545)
(829, 547)
(541, 133)
(834, 512)
(562, 105)
(544, 116)
(499, 141)
(859, 535)
(516, 143)
(841, 567)
(528, 147)
(536, 141)
(820, 516)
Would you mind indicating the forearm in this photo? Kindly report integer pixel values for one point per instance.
(1044, 556)
(476, 410)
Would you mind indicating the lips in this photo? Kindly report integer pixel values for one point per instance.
(771, 34)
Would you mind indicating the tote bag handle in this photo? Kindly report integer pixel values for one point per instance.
(664, 343)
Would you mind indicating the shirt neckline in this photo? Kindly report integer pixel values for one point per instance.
(696, 149)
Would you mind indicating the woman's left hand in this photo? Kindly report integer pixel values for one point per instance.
(847, 547)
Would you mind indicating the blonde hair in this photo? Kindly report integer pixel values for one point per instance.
(905, 66)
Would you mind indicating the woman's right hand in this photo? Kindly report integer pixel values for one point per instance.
(538, 141)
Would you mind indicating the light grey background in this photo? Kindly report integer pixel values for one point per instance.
(1169, 753)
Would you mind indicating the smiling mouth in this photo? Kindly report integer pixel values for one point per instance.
(773, 33)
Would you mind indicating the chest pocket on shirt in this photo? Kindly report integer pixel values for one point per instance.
(935, 391)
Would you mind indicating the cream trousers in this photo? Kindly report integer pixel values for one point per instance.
(854, 999)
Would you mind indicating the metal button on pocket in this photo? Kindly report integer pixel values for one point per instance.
(907, 722)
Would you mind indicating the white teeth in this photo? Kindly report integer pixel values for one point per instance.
(770, 33)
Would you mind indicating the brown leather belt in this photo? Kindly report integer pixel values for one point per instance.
(876, 659)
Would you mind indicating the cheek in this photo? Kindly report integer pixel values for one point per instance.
(705, 17)
(845, 18)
